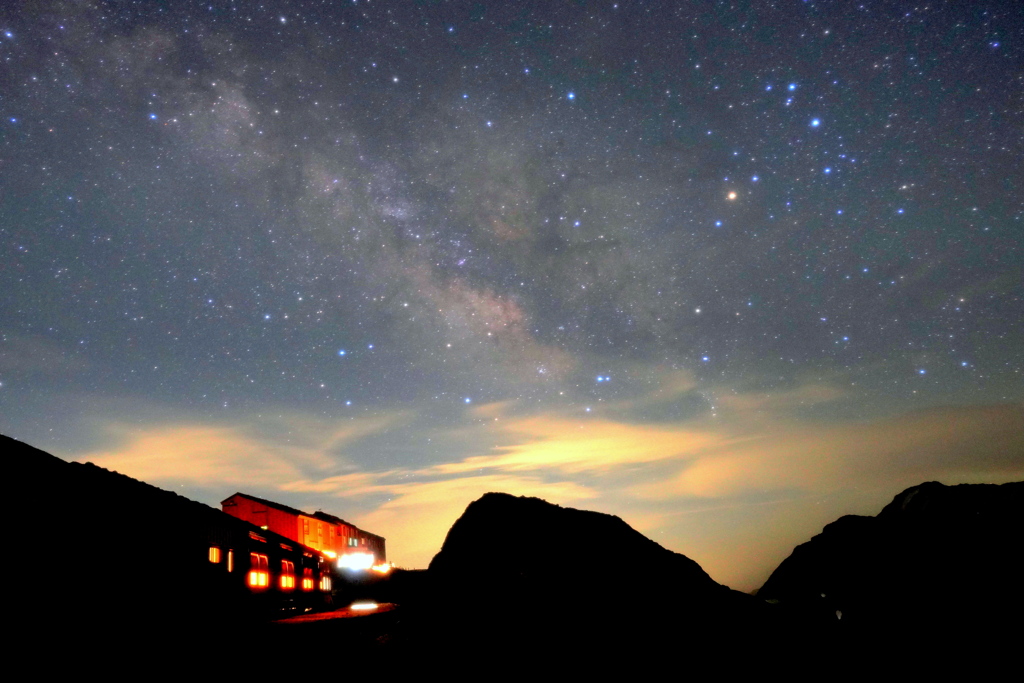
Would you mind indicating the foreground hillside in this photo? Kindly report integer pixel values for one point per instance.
(937, 564)
(932, 578)
(930, 581)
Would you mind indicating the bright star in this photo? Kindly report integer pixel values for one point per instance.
(792, 86)
(571, 96)
(815, 123)
(341, 352)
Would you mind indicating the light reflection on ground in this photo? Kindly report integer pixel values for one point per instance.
(343, 613)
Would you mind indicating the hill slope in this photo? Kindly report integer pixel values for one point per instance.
(938, 563)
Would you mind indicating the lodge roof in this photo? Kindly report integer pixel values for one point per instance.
(268, 503)
(319, 514)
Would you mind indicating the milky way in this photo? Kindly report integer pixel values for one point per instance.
(725, 269)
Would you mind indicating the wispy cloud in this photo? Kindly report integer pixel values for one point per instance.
(735, 490)
(945, 442)
(256, 453)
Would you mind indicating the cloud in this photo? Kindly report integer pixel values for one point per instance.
(265, 453)
(735, 492)
(573, 446)
(953, 442)
(771, 405)
(205, 455)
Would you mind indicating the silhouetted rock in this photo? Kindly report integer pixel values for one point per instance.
(507, 545)
(581, 589)
(939, 564)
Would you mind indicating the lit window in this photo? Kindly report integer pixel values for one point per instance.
(287, 575)
(214, 554)
(259, 571)
(307, 578)
(231, 561)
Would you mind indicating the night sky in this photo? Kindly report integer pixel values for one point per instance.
(725, 269)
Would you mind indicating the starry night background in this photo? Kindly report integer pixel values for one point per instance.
(725, 269)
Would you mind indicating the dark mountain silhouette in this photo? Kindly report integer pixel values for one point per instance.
(531, 547)
(939, 564)
(583, 589)
(109, 567)
(522, 586)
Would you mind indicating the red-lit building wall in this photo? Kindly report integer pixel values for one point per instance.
(316, 533)
(262, 515)
(320, 534)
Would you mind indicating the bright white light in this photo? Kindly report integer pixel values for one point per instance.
(364, 606)
(355, 561)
